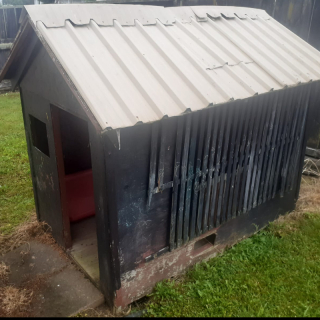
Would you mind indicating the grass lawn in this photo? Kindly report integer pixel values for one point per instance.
(16, 195)
(275, 273)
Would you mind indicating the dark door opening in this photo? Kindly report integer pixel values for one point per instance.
(77, 166)
(76, 185)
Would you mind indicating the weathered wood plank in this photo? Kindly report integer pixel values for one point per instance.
(262, 193)
(191, 176)
(253, 119)
(271, 106)
(248, 116)
(204, 169)
(162, 153)
(175, 190)
(277, 146)
(184, 164)
(197, 176)
(235, 120)
(217, 170)
(213, 149)
(286, 105)
(260, 146)
(252, 153)
(221, 218)
(241, 114)
(293, 138)
(289, 128)
(301, 145)
(153, 160)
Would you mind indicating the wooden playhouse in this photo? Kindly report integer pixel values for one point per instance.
(158, 136)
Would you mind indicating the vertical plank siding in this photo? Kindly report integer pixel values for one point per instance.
(229, 159)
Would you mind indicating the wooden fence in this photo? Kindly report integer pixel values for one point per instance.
(9, 23)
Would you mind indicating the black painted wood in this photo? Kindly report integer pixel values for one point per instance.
(302, 143)
(287, 137)
(294, 147)
(282, 142)
(260, 146)
(221, 217)
(263, 190)
(217, 172)
(265, 149)
(196, 187)
(214, 142)
(240, 115)
(203, 185)
(257, 129)
(183, 180)
(291, 130)
(106, 219)
(234, 128)
(239, 174)
(273, 179)
(253, 120)
(162, 153)
(302, 147)
(153, 160)
(176, 178)
(187, 229)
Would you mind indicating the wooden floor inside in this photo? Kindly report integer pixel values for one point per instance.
(84, 249)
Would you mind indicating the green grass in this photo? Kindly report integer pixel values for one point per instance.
(275, 273)
(16, 195)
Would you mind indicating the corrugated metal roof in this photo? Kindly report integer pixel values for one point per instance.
(140, 63)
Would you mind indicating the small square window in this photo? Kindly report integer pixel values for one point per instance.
(39, 135)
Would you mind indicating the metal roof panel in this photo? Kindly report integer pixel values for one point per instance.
(134, 64)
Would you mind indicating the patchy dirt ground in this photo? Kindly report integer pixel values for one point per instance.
(30, 230)
(38, 279)
(15, 302)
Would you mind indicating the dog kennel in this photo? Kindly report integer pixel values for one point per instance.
(159, 136)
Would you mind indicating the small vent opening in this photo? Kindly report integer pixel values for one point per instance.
(207, 241)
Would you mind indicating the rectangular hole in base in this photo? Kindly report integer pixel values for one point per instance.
(207, 241)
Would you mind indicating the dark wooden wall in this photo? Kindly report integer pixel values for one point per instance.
(41, 87)
(142, 230)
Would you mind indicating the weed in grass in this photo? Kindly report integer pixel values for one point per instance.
(16, 194)
(274, 273)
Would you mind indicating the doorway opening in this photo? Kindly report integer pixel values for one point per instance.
(76, 185)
